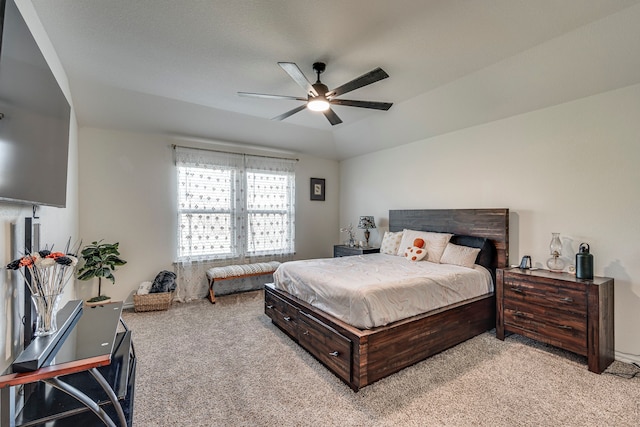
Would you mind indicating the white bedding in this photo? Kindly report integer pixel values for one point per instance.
(376, 289)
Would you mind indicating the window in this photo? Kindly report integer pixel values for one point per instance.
(234, 205)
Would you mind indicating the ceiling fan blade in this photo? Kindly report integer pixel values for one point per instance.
(294, 72)
(364, 80)
(290, 112)
(362, 104)
(332, 117)
(267, 96)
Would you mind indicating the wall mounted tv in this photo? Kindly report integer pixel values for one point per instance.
(34, 119)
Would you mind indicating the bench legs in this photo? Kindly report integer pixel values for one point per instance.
(212, 294)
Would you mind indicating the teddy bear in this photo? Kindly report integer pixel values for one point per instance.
(416, 252)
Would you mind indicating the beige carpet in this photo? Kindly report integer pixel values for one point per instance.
(226, 365)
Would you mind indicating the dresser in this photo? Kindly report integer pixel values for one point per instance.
(558, 309)
(344, 250)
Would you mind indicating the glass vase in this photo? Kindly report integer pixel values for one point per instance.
(46, 311)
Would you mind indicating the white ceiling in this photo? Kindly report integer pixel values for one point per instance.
(175, 67)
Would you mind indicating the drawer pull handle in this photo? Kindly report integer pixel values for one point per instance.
(519, 314)
(305, 333)
(565, 327)
(334, 354)
(567, 299)
(287, 318)
(517, 290)
(270, 306)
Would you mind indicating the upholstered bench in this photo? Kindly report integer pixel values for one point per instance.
(237, 272)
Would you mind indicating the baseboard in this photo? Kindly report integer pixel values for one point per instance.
(627, 358)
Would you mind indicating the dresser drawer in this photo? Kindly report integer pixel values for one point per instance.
(553, 326)
(547, 295)
(326, 344)
(281, 313)
(343, 250)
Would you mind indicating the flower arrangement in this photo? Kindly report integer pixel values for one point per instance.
(352, 235)
(49, 271)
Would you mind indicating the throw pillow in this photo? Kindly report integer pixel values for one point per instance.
(435, 243)
(390, 243)
(459, 255)
(417, 251)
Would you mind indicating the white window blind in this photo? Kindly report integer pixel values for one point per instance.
(234, 205)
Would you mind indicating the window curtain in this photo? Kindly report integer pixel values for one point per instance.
(232, 209)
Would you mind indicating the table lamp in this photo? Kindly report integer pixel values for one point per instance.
(366, 222)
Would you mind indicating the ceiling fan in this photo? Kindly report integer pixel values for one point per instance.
(320, 98)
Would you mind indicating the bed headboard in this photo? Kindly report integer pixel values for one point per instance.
(490, 223)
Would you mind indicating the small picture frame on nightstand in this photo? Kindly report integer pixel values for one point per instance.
(317, 189)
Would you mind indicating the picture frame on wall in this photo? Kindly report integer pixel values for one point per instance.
(317, 189)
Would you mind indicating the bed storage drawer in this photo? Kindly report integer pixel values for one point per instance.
(326, 344)
(281, 313)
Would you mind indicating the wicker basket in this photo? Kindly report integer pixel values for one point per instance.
(152, 302)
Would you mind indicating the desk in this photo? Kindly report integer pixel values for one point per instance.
(90, 379)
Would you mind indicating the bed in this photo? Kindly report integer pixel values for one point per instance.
(380, 345)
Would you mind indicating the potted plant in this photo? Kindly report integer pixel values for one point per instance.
(100, 260)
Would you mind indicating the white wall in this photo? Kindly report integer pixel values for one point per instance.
(573, 168)
(127, 193)
(57, 224)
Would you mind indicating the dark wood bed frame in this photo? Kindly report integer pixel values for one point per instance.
(362, 356)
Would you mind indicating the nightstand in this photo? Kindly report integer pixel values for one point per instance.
(558, 309)
(344, 250)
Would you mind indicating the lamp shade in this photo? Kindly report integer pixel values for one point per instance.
(367, 222)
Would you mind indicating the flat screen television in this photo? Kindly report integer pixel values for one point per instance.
(34, 119)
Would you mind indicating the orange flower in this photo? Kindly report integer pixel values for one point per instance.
(55, 255)
(26, 261)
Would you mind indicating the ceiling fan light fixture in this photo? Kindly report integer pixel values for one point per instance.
(320, 98)
(318, 103)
